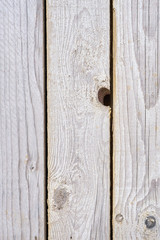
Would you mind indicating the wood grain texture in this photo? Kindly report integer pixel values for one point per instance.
(78, 125)
(136, 119)
(21, 120)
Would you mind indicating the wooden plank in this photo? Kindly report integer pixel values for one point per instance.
(78, 124)
(136, 120)
(21, 120)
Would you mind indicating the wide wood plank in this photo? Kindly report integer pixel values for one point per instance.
(136, 119)
(21, 120)
(78, 124)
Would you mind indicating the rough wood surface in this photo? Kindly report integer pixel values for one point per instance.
(136, 119)
(78, 125)
(21, 120)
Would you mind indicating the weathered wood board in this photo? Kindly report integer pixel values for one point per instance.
(78, 124)
(22, 196)
(136, 119)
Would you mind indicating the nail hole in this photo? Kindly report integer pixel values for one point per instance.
(150, 222)
(32, 167)
(119, 217)
(104, 96)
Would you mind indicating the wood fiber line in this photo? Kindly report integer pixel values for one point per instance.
(21, 120)
(136, 120)
(78, 124)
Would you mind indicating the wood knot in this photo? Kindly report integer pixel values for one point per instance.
(104, 96)
(60, 197)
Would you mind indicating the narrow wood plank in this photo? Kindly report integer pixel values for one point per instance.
(137, 120)
(21, 120)
(78, 124)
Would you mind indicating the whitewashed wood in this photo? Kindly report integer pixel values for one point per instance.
(136, 118)
(21, 120)
(78, 125)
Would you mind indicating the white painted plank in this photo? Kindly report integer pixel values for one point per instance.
(78, 125)
(136, 119)
(21, 120)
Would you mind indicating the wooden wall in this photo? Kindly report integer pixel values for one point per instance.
(91, 67)
(136, 125)
(22, 191)
(78, 124)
